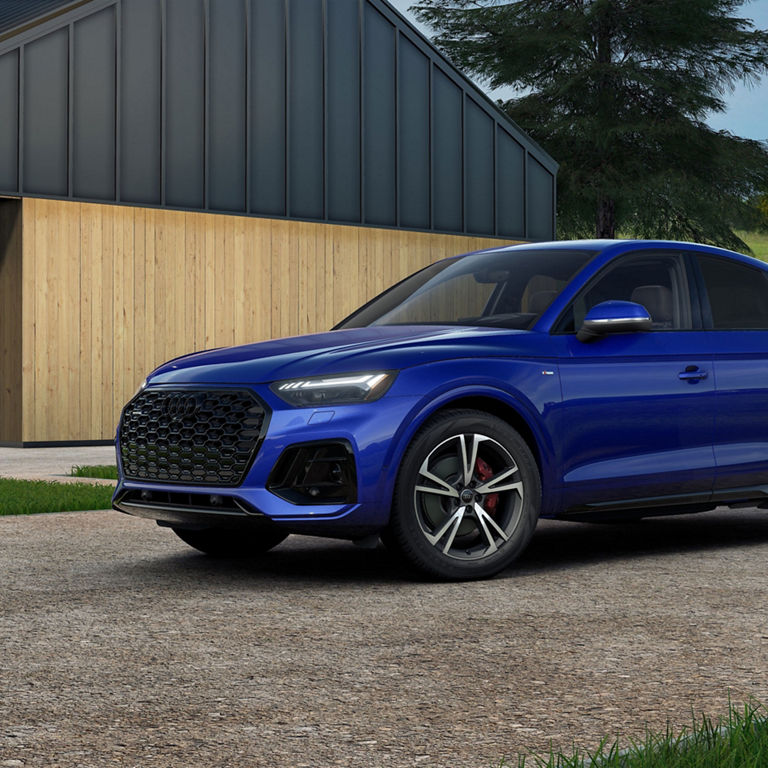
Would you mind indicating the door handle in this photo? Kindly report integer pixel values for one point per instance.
(692, 374)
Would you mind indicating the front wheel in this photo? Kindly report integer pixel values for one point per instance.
(221, 542)
(467, 497)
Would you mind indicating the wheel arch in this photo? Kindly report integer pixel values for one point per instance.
(496, 403)
(496, 407)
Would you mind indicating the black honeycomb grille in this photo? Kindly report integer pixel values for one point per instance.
(191, 436)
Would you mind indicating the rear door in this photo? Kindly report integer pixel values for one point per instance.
(637, 417)
(735, 307)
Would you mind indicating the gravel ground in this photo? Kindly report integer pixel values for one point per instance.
(121, 646)
(53, 463)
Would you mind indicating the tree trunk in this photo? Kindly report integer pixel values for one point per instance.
(606, 219)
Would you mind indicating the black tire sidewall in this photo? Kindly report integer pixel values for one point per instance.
(405, 531)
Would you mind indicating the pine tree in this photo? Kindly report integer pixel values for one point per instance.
(617, 92)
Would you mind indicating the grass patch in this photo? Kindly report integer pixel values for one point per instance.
(738, 741)
(757, 241)
(104, 471)
(29, 497)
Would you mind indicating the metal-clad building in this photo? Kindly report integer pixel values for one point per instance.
(335, 112)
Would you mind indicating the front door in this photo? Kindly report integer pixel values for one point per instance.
(637, 416)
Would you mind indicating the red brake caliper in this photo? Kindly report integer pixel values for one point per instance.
(485, 473)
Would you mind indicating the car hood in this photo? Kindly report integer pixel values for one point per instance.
(345, 351)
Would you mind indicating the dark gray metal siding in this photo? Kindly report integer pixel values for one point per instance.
(343, 115)
(15, 13)
(305, 109)
(413, 124)
(227, 122)
(9, 124)
(140, 101)
(329, 110)
(46, 114)
(93, 106)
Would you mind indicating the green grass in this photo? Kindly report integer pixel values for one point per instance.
(738, 741)
(104, 471)
(757, 241)
(28, 497)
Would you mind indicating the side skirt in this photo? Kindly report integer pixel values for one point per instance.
(678, 504)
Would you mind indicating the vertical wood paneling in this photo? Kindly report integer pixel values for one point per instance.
(46, 373)
(70, 313)
(110, 292)
(240, 286)
(28, 304)
(140, 279)
(10, 321)
(90, 350)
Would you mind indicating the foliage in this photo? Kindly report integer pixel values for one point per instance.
(27, 497)
(617, 91)
(760, 203)
(104, 471)
(738, 741)
(757, 242)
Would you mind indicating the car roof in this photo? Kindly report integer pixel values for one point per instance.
(616, 246)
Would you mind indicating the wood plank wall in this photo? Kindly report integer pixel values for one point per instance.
(10, 321)
(110, 292)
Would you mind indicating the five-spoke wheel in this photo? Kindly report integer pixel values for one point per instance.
(467, 496)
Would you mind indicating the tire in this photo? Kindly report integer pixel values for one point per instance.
(467, 497)
(222, 542)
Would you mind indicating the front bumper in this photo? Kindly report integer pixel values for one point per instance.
(370, 430)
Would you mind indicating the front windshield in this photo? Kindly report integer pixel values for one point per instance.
(508, 289)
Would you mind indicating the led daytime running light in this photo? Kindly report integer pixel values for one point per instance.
(345, 389)
(369, 381)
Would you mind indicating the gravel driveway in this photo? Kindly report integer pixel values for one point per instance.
(121, 646)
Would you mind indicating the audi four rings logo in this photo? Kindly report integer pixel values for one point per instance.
(181, 406)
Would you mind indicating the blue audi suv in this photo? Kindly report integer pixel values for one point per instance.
(576, 380)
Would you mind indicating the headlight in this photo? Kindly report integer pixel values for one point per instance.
(334, 390)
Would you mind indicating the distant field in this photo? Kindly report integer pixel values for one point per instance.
(757, 241)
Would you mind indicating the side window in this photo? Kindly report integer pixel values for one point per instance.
(738, 294)
(657, 281)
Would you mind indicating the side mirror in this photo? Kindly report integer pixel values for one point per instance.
(614, 317)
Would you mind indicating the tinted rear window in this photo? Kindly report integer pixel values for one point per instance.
(738, 294)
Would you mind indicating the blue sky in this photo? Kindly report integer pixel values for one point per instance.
(747, 113)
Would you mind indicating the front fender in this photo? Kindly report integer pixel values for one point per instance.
(535, 391)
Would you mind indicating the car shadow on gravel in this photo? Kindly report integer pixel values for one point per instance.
(556, 545)
(299, 559)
